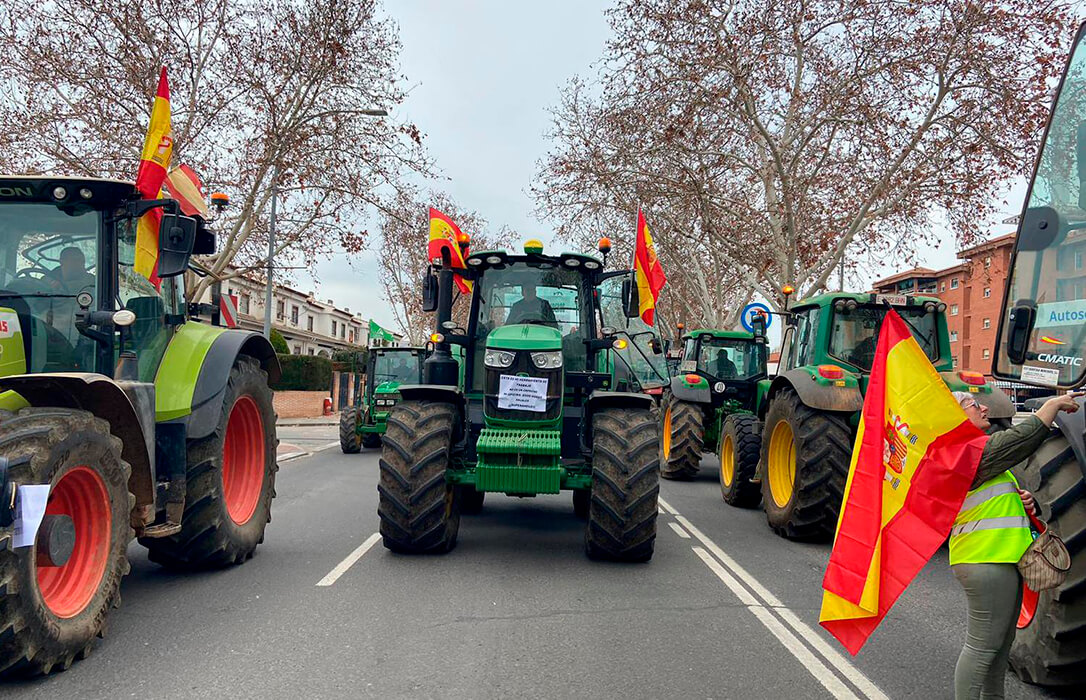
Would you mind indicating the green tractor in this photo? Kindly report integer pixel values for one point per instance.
(812, 407)
(135, 419)
(363, 424)
(714, 407)
(537, 410)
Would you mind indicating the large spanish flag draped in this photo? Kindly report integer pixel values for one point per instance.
(183, 184)
(650, 275)
(914, 458)
(157, 149)
(444, 234)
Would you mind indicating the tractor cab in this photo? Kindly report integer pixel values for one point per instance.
(729, 362)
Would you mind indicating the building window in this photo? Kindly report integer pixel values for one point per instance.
(350, 338)
(309, 323)
(279, 309)
(988, 261)
(953, 282)
(333, 328)
(294, 314)
(954, 361)
(986, 354)
(942, 286)
(297, 349)
(986, 323)
(343, 331)
(953, 336)
(953, 309)
(311, 352)
(987, 292)
(244, 304)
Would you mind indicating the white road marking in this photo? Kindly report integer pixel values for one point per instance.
(327, 447)
(679, 531)
(663, 504)
(661, 510)
(341, 568)
(833, 656)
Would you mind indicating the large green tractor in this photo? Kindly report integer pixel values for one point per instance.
(135, 419)
(812, 406)
(537, 411)
(363, 424)
(713, 408)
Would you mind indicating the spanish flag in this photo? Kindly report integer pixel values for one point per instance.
(650, 275)
(446, 235)
(183, 184)
(157, 149)
(914, 458)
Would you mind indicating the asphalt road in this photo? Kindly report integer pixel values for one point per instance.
(725, 609)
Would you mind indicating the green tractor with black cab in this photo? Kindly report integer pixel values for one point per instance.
(713, 408)
(811, 409)
(363, 424)
(133, 418)
(536, 412)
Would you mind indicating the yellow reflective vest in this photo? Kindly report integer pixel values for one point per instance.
(991, 527)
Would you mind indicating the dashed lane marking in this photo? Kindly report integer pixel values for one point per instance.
(352, 558)
(679, 531)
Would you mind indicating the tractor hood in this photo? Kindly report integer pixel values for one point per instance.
(387, 388)
(524, 337)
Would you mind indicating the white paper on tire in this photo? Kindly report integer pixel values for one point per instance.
(1049, 376)
(522, 393)
(30, 502)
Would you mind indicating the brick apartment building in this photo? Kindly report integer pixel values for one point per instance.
(973, 293)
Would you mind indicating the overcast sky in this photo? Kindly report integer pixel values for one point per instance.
(481, 75)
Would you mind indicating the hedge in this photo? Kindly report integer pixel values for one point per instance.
(304, 373)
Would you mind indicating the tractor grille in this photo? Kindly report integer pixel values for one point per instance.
(523, 363)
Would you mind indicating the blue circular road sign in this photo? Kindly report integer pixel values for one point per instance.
(748, 313)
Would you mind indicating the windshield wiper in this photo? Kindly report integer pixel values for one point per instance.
(49, 295)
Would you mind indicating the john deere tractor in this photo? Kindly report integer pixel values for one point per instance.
(811, 408)
(363, 424)
(135, 419)
(537, 411)
(713, 408)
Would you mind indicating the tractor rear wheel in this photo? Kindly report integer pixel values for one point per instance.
(804, 465)
(740, 443)
(1051, 650)
(471, 501)
(625, 485)
(51, 615)
(682, 437)
(419, 509)
(348, 431)
(231, 480)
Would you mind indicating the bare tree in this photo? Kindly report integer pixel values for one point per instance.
(254, 85)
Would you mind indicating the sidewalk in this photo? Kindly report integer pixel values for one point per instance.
(321, 420)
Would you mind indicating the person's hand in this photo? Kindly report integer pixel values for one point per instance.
(1028, 501)
(1065, 403)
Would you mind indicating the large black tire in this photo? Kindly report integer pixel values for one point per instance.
(1051, 651)
(821, 452)
(48, 445)
(419, 509)
(582, 498)
(211, 535)
(740, 445)
(471, 501)
(348, 431)
(681, 453)
(625, 485)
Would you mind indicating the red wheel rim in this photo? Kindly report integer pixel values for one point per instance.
(81, 495)
(1029, 607)
(243, 460)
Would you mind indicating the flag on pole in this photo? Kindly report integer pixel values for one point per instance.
(444, 234)
(157, 149)
(650, 274)
(378, 333)
(184, 185)
(913, 461)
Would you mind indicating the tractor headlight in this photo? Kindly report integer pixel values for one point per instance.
(547, 360)
(499, 358)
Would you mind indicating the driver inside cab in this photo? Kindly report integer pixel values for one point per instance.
(532, 309)
(71, 276)
(725, 368)
(863, 355)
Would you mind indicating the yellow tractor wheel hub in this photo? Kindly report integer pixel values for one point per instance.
(727, 460)
(782, 464)
(666, 437)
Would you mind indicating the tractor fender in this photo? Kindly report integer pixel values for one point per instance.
(818, 395)
(1073, 427)
(106, 399)
(210, 387)
(600, 399)
(998, 403)
(682, 390)
(444, 393)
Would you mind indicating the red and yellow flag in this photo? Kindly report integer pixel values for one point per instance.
(446, 235)
(914, 458)
(650, 275)
(184, 185)
(157, 149)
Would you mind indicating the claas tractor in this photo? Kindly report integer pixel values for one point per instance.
(812, 407)
(363, 424)
(538, 410)
(713, 408)
(134, 419)
(1042, 341)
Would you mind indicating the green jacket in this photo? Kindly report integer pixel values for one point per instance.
(1007, 448)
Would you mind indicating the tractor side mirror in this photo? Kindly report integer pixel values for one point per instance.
(176, 236)
(1021, 321)
(631, 299)
(429, 292)
(757, 323)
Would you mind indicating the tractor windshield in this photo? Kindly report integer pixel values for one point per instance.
(48, 256)
(856, 333)
(731, 358)
(403, 367)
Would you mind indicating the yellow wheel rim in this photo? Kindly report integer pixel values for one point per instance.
(782, 464)
(667, 433)
(727, 461)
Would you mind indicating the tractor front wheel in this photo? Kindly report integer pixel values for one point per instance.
(419, 508)
(230, 482)
(740, 443)
(682, 438)
(805, 459)
(50, 615)
(625, 485)
(348, 431)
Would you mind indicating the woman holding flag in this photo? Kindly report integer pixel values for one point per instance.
(990, 534)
